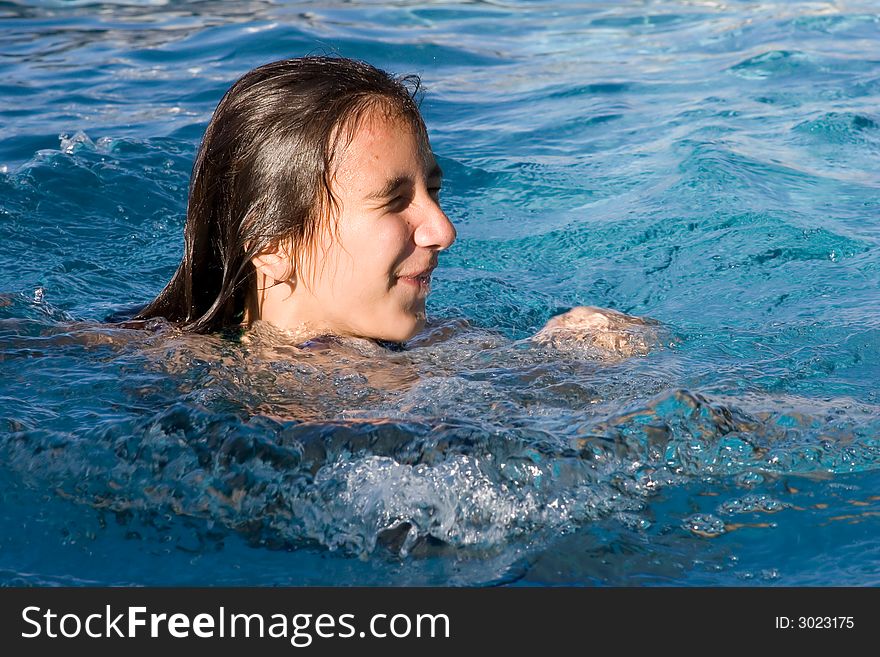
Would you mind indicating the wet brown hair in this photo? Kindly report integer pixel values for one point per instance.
(263, 174)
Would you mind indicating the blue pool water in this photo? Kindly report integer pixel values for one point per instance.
(713, 166)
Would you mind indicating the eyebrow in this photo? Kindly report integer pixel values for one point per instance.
(399, 181)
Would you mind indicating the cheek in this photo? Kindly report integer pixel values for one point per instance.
(357, 265)
(326, 268)
(382, 249)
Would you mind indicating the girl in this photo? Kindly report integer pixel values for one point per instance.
(314, 207)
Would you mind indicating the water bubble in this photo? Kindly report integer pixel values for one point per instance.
(71, 144)
(705, 525)
(751, 504)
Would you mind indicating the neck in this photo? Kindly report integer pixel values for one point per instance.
(284, 307)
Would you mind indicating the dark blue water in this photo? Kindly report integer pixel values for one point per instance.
(712, 166)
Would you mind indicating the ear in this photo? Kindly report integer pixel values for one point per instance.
(275, 262)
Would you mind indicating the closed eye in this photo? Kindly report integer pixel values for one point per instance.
(398, 203)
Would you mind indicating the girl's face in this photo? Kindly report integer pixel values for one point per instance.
(368, 274)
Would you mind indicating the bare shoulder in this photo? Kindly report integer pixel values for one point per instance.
(610, 334)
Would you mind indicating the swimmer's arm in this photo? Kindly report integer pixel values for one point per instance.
(609, 333)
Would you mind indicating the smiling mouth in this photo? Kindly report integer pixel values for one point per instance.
(421, 281)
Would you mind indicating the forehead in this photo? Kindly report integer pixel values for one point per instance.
(382, 143)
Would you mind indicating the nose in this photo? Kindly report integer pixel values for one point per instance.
(434, 230)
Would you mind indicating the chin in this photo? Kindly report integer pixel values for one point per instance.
(405, 330)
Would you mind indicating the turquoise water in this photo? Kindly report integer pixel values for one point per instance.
(713, 166)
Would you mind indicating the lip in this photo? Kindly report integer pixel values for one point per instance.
(418, 279)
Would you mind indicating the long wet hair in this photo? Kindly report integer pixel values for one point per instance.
(263, 174)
